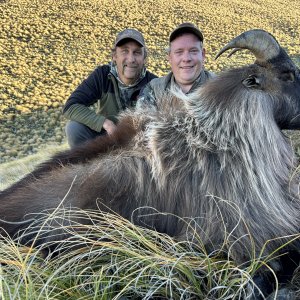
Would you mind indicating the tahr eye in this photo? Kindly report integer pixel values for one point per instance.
(287, 76)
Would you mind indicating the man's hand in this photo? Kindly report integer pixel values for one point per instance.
(109, 126)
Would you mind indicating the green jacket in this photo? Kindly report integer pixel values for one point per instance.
(102, 87)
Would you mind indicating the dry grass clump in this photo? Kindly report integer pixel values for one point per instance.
(112, 258)
(48, 47)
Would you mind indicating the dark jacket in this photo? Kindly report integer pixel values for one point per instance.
(101, 87)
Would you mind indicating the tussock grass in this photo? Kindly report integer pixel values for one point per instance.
(111, 258)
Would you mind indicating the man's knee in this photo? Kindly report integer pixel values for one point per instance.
(77, 133)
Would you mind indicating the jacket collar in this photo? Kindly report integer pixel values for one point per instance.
(199, 80)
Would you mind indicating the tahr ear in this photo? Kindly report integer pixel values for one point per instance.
(252, 81)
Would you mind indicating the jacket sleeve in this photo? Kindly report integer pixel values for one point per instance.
(86, 116)
(85, 95)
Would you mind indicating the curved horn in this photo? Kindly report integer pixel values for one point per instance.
(261, 43)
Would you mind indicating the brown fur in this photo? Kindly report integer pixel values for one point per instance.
(83, 153)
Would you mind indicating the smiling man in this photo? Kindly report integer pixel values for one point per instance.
(186, 56)
(114, 87)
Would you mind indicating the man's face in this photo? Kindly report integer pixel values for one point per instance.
(129, 59)
(186, 58)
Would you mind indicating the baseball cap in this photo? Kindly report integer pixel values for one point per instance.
(186, 28)
(131, 34)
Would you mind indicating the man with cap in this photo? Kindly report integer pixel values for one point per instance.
(186, 56)
(114, 87)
